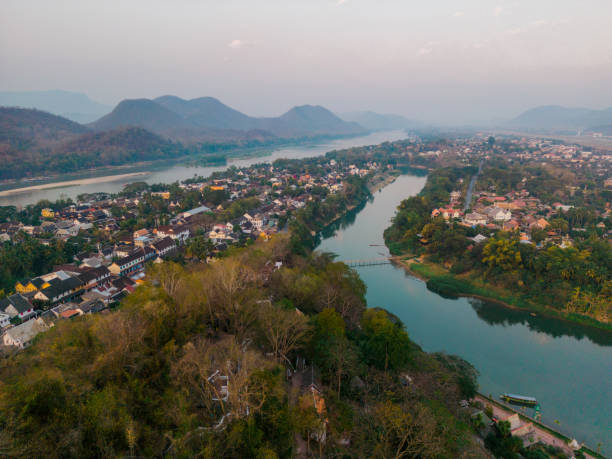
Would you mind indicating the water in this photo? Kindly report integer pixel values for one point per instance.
(567, 367)
(172, 172)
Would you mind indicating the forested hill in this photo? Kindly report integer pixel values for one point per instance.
(148, 378)
(34, 143)
(21, 128)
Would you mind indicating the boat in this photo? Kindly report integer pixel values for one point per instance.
(519, 399)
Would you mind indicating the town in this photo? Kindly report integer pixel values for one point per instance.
(125, 233)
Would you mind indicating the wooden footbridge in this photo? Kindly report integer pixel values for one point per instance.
(370, 261)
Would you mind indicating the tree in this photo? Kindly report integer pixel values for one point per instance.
(284, 330)
(330, 349)
(385, 343)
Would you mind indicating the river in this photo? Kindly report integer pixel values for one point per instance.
(181, 170)
(567, 367)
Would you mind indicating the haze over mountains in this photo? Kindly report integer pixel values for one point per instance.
(72, 105)
(380, 122)
(554, 118)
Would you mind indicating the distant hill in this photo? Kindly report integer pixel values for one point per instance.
(34, 143)
(73, 105)
(207, 117)
(557, 118)
(21, 128)
(380, 122)
(306, 119)
(142, 113)
(208, 112)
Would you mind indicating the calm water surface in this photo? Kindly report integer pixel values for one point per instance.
(180, 170)
(567, 367)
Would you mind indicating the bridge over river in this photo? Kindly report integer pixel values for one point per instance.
(373, 261)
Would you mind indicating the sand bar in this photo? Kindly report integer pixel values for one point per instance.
(84, 181)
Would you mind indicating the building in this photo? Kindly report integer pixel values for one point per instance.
(497, 214)
(475, 219)
(17, 306)
(93, 277)
(196, 211)
(132, 263)
(60, 290)
(164, 246)
(178, 233)
(22, 335)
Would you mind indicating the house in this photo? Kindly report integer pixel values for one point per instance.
(177, 232)
(164, 246)
(475, 219)
(497, 214)
(447, 213)
(17, 305)
(540, 223)
(94, 276)
(60, 290)
(22, 335)
(128, 264)
(132, 263)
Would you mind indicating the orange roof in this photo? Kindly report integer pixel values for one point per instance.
(67, 314)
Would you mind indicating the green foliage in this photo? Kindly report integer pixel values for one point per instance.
(385, 343)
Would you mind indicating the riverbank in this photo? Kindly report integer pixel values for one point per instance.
(461, 286)
(540, 432)
(77, 182)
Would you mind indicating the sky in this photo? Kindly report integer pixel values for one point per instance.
(448, 61)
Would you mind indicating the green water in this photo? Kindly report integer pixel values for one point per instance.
(567, 367)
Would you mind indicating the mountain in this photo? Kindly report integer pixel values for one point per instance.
(33, 143)
(208, 112)
(73, 105)
(555, 117)
(206, 117)
(143, 113)
(21, 128)
(380, 122)
(308, 119)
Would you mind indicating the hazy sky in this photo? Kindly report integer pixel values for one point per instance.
(446, 60)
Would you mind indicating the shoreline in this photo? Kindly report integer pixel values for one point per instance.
(544, 433)
(75, 182)
(540, 310)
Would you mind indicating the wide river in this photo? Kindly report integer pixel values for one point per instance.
(567, 367)
(181, 169)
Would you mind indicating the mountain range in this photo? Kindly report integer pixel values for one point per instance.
(555, 118)
(206, 118)
(35, 142)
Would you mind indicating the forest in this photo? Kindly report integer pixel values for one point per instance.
(237, 359)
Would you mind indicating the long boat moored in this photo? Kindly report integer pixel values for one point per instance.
(522, 399)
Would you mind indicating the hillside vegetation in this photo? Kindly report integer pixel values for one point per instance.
(148, 378)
